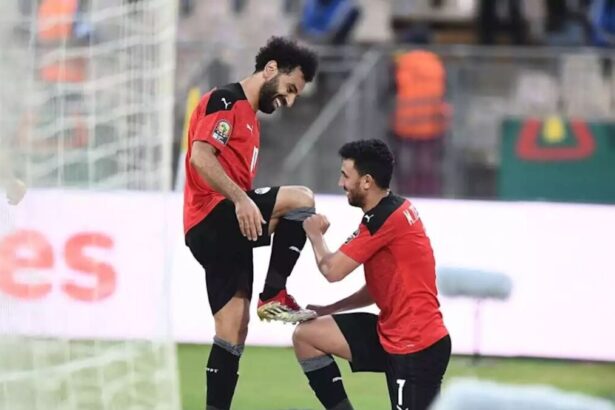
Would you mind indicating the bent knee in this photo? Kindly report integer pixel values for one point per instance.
(304, 332)
(309, 197)
(291, 198)
(304, 196)
(299, 335)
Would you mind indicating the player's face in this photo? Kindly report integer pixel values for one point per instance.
(280, 90)
(350, 181)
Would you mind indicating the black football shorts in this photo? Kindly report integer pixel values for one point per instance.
(226, 255)
(413, 379)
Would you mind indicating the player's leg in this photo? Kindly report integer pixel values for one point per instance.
(226, 256)
(284, 208)
(293, 205)
(314, 343)
(231, 324)
(414, 379)
(351, 336)
(229, 286)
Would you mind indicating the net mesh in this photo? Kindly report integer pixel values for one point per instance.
(85, 105)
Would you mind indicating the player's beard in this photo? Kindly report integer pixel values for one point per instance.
(267, 95)
(355, 198)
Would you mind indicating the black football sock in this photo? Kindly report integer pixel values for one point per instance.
(222, 376)
(288, 242)
(326, 381)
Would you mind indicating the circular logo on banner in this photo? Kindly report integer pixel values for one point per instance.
(261, 191)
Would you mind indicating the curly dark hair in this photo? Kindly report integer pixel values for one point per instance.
(289, 55)
(371, 157)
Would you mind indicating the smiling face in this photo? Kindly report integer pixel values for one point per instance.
(280, 89)
(351, 181)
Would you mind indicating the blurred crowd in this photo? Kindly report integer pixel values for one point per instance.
(443, 110)
(489, 22)
(514, 22)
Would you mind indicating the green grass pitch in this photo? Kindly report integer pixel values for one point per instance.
(270, 379)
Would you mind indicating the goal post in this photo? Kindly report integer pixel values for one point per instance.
(86, 113)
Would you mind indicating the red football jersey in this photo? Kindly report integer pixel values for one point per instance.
(400, 274)
(225, 119)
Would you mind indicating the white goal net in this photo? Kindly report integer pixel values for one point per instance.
(86, 97)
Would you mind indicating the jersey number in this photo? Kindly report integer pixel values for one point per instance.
(400, 393)
(254, 158)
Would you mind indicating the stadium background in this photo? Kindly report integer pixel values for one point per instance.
(101, 306)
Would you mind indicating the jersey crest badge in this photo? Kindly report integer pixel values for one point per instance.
(222, 131)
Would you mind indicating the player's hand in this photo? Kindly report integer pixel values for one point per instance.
(316, 224)
(15, 191)
(321, 310)
(249, 217)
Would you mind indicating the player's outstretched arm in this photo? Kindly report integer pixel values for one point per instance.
(334, 266)
(359, 299)
(203, 159)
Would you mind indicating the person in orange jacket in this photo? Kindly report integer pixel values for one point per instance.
(420, 121)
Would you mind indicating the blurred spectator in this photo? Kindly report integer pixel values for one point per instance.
(329, 21)
(420, 121)
(602, 20)
(566, 23)
(61, 22)
(495, 16)
(410, 29)
(427, 21)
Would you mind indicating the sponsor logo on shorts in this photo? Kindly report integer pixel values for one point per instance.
(222, 131)
(261, 191)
